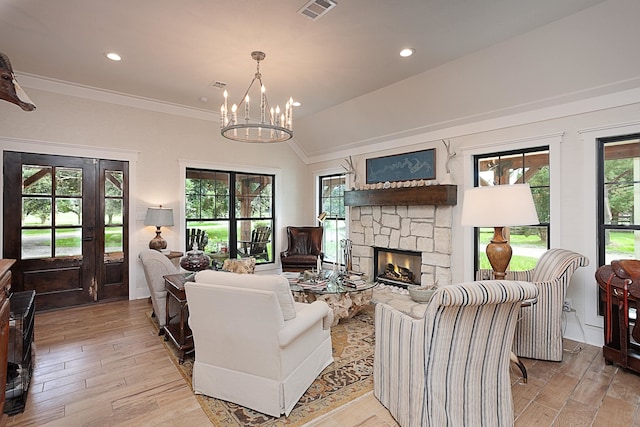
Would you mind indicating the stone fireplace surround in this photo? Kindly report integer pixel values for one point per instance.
(423, 228)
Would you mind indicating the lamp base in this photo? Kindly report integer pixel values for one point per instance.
(158, 243)
(499, 253)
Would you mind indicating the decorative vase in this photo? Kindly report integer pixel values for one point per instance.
(195, 260)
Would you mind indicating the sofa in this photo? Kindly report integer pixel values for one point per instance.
(254, 345)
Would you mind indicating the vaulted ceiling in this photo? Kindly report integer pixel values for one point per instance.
(173, 51)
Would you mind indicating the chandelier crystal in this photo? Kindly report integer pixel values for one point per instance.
(274, 125)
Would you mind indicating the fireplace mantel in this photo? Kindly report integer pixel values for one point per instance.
(433, 195)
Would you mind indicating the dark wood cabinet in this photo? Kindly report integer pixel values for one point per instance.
(5, 288)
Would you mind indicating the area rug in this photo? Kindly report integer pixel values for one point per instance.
(346, 379)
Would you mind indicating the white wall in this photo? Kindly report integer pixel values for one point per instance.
(571, 138)
(566, 83)
(590, 53)
(158, 146)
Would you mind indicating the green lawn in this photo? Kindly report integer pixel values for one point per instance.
(621, 242)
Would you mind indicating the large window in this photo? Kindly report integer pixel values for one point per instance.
(332, 203)
(234, 209)
(517, 167)
(619, 198)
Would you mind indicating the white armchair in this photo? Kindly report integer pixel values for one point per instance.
(450, 367)
(254, 345)
(156, 265)
(539, 331)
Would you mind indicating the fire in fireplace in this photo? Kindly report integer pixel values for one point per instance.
(397, 267)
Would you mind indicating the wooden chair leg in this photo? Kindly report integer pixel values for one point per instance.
(520, 365)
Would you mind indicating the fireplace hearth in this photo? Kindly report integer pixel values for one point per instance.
(397, 267)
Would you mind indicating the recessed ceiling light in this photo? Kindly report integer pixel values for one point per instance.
(113, 56)
(296, 103)
(407, 52)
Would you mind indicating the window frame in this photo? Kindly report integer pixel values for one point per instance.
(602, 228)
(476, 180)
(331, 217)
(232, 219)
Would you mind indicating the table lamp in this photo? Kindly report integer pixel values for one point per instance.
(158, 217)
(499, 206)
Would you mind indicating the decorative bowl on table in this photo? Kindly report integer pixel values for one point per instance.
(421, 293)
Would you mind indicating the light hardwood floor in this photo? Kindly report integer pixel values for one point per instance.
(104, 365)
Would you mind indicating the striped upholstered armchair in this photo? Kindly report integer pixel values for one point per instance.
(539, 330)
(452, 366)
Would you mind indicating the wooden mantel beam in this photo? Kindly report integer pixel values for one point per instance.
(431, 195)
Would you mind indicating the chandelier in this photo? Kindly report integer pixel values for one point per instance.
(274, 125)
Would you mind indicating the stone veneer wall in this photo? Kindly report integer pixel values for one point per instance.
(425, 229)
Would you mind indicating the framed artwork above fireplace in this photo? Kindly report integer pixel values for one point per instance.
(402, 167)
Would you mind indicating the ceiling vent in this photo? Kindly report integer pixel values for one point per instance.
(218, 84)
(314, 9)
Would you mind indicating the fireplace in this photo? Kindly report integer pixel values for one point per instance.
(424, 230)
(397, 267)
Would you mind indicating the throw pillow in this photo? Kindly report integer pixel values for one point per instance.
(241, 266)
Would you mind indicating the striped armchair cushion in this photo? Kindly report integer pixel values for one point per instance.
(452, 366)
(539, 331)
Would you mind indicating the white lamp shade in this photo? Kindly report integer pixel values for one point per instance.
(499, 206)
(159, 217)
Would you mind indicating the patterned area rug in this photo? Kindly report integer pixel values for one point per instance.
(347, 378)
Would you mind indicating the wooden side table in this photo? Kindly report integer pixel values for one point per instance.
(178, 331)
(174, 257)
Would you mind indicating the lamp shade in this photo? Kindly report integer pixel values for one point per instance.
(499, 206)
(159, 217)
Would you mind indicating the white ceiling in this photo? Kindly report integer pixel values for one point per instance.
(173, 50)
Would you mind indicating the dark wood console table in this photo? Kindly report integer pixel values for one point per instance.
(177, 330)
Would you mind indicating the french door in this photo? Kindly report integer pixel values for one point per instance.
(66, 224)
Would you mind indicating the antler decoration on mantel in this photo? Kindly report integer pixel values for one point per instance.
(450, 155)
(10, 90)
(350, 169)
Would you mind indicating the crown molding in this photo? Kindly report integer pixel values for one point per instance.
(407, 138)
(73, 89)
(403, 138)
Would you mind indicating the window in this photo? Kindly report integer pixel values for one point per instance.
(332, 202)
(618, 198)
(235, 210)
(517, 167)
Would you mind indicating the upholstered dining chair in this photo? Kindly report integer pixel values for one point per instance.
(539, 331)
(156, 265)
(450, 367)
